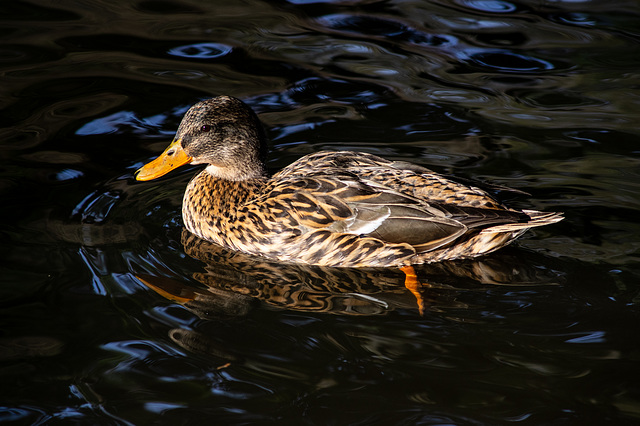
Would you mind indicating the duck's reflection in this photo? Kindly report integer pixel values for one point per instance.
(234, 283)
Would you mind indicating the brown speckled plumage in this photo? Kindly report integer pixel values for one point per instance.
(328, 208)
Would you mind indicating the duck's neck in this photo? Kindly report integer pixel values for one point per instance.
(249, 171)
(211, 204)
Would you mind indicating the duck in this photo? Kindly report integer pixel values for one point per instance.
(328, 208)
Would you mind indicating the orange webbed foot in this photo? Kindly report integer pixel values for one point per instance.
(412, 284)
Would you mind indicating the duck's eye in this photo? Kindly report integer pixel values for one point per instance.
(205, 128)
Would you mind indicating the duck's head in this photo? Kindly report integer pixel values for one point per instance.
(223, 133)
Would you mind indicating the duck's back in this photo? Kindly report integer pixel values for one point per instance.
(400, 176)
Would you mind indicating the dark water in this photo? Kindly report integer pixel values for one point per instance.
(110, 315)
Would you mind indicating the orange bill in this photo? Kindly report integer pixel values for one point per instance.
(172, 158)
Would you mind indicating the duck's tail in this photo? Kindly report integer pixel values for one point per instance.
(537, 219)
(489, 239)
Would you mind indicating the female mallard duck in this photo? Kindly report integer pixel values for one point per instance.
(329, 208)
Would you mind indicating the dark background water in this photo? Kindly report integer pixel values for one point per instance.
(541, 96)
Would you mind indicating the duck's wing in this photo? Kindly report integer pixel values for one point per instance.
(343, 202)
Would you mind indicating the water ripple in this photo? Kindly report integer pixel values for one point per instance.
(201, 51)
(509, 62)
(492, 6)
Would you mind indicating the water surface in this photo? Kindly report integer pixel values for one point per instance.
(112, 315)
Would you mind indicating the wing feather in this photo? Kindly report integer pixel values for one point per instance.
(391, 202)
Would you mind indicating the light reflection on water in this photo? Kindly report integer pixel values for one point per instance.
(541, 97)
